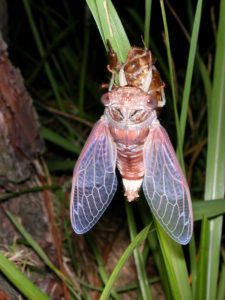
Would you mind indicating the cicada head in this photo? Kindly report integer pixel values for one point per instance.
(128, 105)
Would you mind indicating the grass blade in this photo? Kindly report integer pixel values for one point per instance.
(200, 293)
(155, 249)
(148, 8)
(189, 72)
(170, 63)
(221, 286)
(214, 186)
(30, 240)
(94, 10)
(202, 66)
(208, 209)
(59, 140)
(111, 27)
(21, 282)
(84, 61)
(139, 262)
(127, 253)
(28, 190)
(193, 263)
(42, 254)
(172, 252)
(205, 79)
(133, 286)
(101, 268)
(184, 110)
(42, 54)
(175, 265)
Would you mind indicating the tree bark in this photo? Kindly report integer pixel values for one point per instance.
(20, 147)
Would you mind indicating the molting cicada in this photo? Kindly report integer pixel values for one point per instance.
(129, 136)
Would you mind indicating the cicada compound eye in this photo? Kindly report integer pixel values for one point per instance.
(105, 99)
(152, 102)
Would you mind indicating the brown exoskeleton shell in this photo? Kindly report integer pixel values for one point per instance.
(137, 66)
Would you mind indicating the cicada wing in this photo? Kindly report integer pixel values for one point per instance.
(165, 187)
(94, 179)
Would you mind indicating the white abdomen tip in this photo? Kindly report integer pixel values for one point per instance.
(132, 188)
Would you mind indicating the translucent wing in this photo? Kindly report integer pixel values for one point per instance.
(94, 179)
(165, 187)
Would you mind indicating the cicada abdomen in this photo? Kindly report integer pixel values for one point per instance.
(130, 137)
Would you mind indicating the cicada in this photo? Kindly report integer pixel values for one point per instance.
(129, 136)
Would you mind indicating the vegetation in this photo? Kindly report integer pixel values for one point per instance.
(63, 63)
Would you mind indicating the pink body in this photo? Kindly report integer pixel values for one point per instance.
(130, 112)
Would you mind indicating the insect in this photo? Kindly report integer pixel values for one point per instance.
(137, 66)
(129, 136)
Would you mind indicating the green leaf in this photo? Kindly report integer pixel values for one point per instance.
(214, 186)
(101, 268)
(146, 218)
(84, 61)
(202, 267)
(170, 63)
(221, 286)
(172, 252)
(175, 265)
(111, 27)
(60, 141)
(208, 209)
(21, 282)
(42, 254)
(127, 253)
(148, 8)
(30, 240)
(94, 10)
(139, 262)
(42, 52)
(189, 70)
(28, 190)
